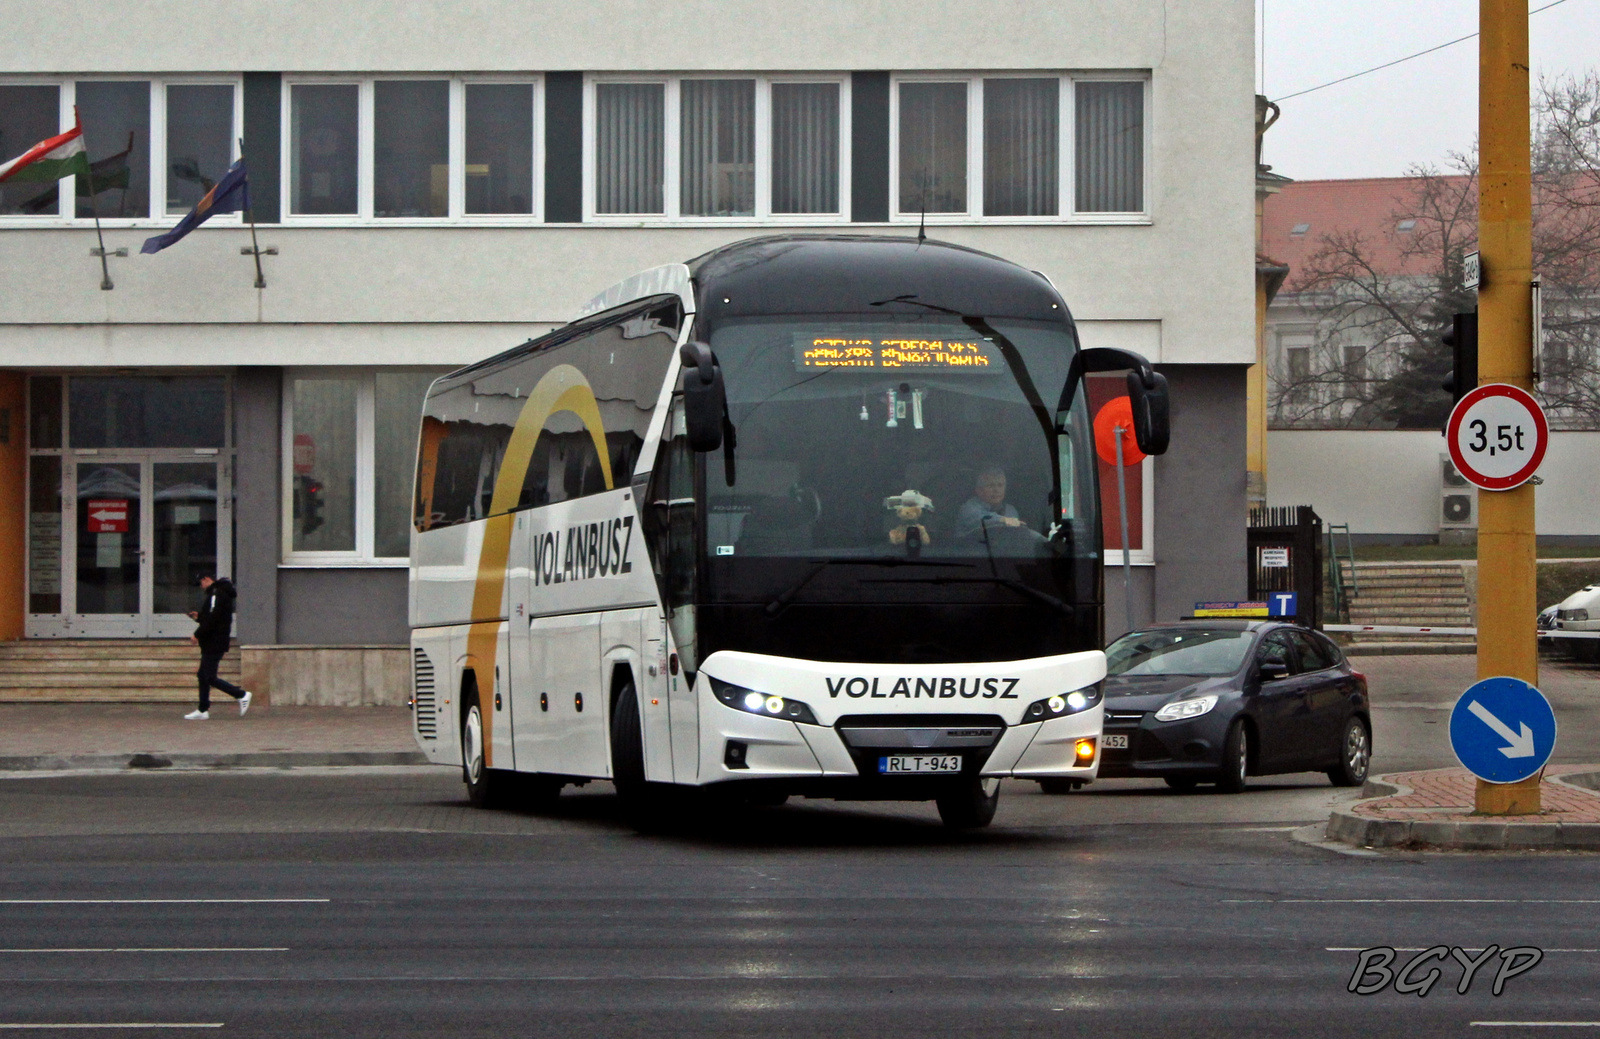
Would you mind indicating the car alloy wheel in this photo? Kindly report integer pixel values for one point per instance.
(1355, 755)
(1235, 759)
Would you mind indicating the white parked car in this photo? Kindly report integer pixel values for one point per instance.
(1580, 611)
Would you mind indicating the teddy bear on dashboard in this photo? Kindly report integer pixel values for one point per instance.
(905, 519)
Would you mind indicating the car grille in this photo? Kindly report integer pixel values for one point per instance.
(423, 700)
(1124, 719)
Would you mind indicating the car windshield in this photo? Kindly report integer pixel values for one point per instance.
(1189, 651)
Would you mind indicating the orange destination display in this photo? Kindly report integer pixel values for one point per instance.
(896, 353)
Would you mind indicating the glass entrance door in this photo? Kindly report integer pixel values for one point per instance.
(108, 518)
(140, 532)
(183, 521)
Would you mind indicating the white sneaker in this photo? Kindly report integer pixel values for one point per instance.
(197, 716)
(244, 703)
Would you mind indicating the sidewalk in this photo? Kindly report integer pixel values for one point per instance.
(1434, 808)
(115, 736)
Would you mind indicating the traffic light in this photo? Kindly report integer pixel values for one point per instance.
(1462, 339)
(308, 503)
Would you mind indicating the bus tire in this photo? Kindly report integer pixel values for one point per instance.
(970, 806)
(486, 787)
(1057, 785)
(643, 803)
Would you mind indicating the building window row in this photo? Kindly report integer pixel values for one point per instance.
(654, 148)
(156, 146)
(1019, 146)
(411, 148)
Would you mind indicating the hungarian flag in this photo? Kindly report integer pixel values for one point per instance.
(60, 156)
(228, 195)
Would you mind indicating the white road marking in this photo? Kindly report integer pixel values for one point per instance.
(152, 901)
(230, 949)
(1407, 948)
(1429, 901)
(122, 1024)
(1536, 1024)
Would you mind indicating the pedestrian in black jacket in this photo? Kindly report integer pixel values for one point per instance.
(212, 636)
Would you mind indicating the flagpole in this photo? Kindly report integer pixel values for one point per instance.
(94, 207)
(250, 215)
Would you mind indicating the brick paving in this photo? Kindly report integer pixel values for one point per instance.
(1446, 795)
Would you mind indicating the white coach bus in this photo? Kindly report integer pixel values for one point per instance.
(794, 518)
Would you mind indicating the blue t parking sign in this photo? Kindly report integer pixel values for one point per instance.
(1281, 604)
(1502, 730)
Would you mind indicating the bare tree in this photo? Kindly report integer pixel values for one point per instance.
(1381, 306)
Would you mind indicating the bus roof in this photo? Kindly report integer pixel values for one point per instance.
(834, 273)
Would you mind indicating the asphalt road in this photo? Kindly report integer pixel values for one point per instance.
(374, 903)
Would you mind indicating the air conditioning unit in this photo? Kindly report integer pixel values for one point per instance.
(1458, 499)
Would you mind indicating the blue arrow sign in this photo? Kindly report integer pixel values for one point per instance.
(1502, 730)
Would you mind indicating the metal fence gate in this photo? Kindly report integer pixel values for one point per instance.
(1285, 551)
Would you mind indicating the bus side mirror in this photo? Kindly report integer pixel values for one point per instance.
(1147, 393)
(705, 398)
(1152, 424)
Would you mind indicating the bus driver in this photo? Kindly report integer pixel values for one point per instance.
(987, 509)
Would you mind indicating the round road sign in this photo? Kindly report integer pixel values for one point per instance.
(1502, 729)
(1497, 436)
(1118, 411)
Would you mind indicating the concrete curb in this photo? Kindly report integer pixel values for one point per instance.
(1467, 834)
(255, 759)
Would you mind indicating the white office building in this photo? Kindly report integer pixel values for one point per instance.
(431, 184)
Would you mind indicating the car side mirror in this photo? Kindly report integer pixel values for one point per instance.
(705, 398)
(1152, 425)
(1273, 670)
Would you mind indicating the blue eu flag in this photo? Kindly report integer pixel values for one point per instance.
(229, 195)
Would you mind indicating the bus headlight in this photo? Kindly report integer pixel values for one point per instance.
(752, 702)
(1062, 704)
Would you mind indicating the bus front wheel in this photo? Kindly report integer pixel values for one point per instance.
(643, 804)
(971, 805)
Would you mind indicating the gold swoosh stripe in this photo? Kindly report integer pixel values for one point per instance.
(563, 388)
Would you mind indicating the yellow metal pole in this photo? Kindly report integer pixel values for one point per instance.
(1507, 644)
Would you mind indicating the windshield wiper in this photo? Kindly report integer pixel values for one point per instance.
(1046, 598)
(776, 605)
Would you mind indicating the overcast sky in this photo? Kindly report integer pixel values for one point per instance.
(1417, 112)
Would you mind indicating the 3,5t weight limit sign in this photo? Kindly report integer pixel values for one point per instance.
(1497, 436)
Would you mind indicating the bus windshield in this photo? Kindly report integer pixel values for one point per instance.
(906, 437)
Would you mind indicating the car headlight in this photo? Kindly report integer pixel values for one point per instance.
(1180, 710)
(1061, 704)
(753, 702)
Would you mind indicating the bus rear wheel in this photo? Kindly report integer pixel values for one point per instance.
(486, 787)
(970, 806)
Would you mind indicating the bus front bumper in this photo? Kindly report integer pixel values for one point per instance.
(890, 751)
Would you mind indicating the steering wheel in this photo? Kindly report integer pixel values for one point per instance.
(800, 494)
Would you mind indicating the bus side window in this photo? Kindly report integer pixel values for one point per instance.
(672, 533)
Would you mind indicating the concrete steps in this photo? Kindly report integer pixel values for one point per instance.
(1410, 594)
(103, 671)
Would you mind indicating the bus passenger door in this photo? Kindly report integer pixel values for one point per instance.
(526, 658)
(654, 701)
(575, 725)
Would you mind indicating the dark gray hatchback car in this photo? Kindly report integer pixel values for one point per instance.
(1218, 701)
